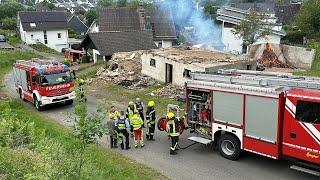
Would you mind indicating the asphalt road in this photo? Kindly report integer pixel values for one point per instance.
(196, 162)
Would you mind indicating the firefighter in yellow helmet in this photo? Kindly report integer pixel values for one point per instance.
(131, 110)
(113, 116)
(151, 119)
(173, 132)
(137, 123)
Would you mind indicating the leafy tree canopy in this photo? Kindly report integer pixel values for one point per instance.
(90, 16)
(10, 9)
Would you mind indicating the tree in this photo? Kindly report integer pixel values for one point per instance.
(308, 18)
(90, 16)
(9, 23)
(210, 9)
(10, 9)
(122, 3)
(252, 28)
(86, 128)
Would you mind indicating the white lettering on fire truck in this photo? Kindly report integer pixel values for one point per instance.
(57, 87)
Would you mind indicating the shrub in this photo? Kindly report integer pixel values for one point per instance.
(295, 37)
(85, 59)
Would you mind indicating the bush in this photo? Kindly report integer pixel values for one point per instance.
(294, 37)
(85, 59)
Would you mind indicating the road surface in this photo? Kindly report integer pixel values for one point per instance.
(196, 162)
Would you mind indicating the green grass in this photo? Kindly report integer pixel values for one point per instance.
(315, 70)
(85, 72)
(122, 95)
(100, 163)
(7, 58)
(45, 49)
(14, 41)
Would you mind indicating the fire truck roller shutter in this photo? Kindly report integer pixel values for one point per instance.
(228, 107)
(261, 118)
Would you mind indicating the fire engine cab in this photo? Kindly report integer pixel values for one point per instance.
(276, 115)
(43, 82)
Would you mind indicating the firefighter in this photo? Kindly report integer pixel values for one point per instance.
(83, 97)
(130, 112)
(139, 106)
(173, 132)
(151, 118)
(113, 113)
(137, 123)
(121, 125)
(113, 116)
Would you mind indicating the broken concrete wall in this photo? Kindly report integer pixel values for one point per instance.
(282, 55)
(158, 71)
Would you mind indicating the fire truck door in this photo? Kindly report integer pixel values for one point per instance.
(28, 81)
(301, 129)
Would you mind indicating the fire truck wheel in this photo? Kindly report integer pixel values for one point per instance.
(37, 104)
(229, 146)
(21, 96)
(69, 102)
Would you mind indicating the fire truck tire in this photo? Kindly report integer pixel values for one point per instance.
(21, 96)
(37, 104)
(229, 146)
(69, 102)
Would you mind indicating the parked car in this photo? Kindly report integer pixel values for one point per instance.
(2, 38)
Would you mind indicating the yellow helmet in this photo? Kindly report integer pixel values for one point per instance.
(151, 103)
(136, 116)
(131, 103)
(170, 115)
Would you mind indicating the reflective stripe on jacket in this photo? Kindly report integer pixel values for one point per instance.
(151, 115)
(173, 127)
(121, 123)
(114, 116)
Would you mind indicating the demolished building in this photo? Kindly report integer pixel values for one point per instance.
(174, 65)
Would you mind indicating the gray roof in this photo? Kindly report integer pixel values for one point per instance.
(43, 20)
(108, 43)
(128, 19)
(286, 12)
(267, 7)
(77, 25)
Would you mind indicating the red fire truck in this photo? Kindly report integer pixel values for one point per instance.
(43, 82)
(276, 115)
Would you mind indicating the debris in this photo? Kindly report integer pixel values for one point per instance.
(169, 91)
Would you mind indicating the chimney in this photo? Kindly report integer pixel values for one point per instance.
(142, 20)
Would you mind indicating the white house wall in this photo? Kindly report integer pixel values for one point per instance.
(52, 36)
(159, 72)
(165, 44)
(234, 43)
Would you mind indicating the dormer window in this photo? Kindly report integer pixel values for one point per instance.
(32, 24)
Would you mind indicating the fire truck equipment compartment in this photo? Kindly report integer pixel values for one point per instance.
(228, 107)
(200, 140)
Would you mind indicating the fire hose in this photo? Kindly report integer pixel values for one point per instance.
(182, 148)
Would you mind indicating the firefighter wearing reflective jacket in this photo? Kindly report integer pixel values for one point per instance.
(121, 126)
(173, 132)
(137, 123)
(132, 109)
(151, 118)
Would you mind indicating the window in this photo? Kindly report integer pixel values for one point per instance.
(45, 41)
(59, 35)
(32, 24)
(31, 36)
(160, 45)
(153, 62)
(308, 112)
(186, 73)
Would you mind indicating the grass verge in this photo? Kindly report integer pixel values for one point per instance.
(53, 156)
(14, 41)
(45, 49)
(118, 94)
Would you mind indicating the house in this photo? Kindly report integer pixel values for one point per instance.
(159, 22)
(174, 65)
(231, 16)
(104, 44)
(77, 25)
(48, 28)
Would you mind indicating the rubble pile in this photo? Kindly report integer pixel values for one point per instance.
(125, 70)
(168, 91)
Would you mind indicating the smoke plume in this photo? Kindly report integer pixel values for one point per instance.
(189, 16)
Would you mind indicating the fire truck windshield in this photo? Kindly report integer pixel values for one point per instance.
(53, 79)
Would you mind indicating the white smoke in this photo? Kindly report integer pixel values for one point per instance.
(188, 15)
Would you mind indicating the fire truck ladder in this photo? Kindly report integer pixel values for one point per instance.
(258, 79)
